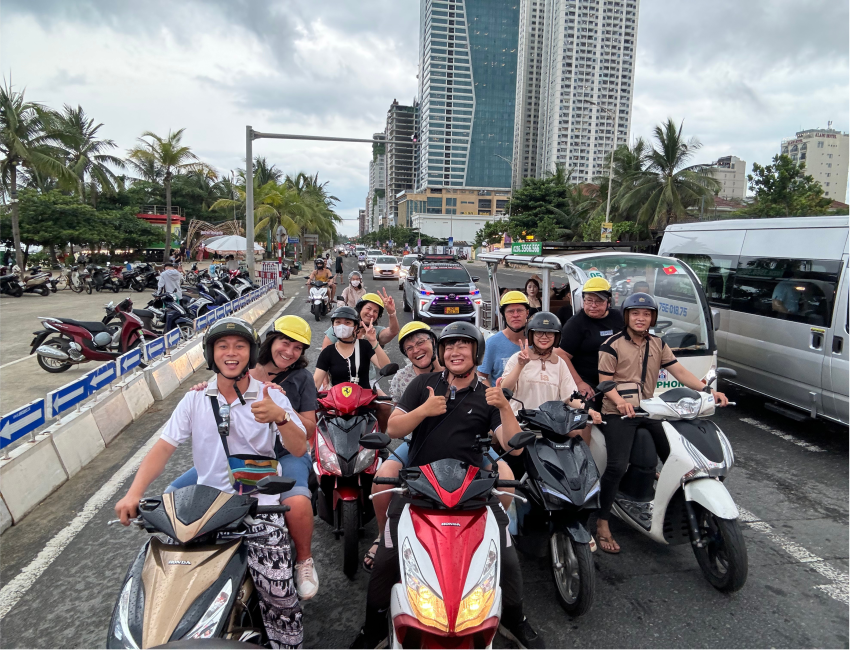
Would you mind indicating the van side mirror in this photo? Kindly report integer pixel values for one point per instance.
(715, 319)
(727, 373)
(475, 278)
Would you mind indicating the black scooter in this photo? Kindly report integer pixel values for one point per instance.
(10, 283)
(562, 484)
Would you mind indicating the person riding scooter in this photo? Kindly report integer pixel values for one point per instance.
(233, 426)
(323, 274)
(426, 411)
(632, 359)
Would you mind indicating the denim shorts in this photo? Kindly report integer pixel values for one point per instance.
(402, 454)
(295, 467)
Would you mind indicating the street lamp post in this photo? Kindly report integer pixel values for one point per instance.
(611, 168)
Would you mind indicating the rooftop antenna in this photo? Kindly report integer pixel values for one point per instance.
(829, 125)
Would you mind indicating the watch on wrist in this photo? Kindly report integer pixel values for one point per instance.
(286, 418)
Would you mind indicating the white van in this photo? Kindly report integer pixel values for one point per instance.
(778, 289)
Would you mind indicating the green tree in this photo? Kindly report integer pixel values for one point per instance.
(123, 229)
(666, 187)
(784, 189)
(170, 156)
(492, 233)
(85, 154)
(26, 140)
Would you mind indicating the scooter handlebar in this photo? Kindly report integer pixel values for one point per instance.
(272, 510)
(387, 480)
(508, 484)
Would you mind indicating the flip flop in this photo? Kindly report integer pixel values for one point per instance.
(603, 539)
(369, 559)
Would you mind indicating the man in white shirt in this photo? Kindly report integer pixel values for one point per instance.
(170, 280)
(258, 413)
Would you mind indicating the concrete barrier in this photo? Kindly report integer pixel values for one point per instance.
(137, 395)
(77, 440)
(32, 472)
(5, 516)
(182, 366)
(162, 380)
(195, 352)
(111, 414)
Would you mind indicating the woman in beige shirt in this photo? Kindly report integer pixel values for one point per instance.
(536, 375)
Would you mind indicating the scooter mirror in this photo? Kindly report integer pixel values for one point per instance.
(727, 373)
(606, 386)
(509, 394)
(388, 370)
(522, 439)
(375, 440)
(275, 485)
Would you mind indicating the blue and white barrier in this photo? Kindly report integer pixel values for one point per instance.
(172, 338)
(67, 396)
(21, 421)
(127, 362)
(102, 376)
(155, 348)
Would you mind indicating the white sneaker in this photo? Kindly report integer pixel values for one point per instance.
(306, 579)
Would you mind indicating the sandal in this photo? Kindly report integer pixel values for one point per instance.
(603, 540)
(369, 559)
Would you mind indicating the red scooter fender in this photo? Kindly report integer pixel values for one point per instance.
(346, 493)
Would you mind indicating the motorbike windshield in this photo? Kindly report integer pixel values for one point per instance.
(681, 310)
(345, 434)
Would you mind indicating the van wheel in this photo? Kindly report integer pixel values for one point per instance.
(573, 573)
(723, 556)
(404, 301)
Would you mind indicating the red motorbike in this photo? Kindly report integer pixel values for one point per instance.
(83, 341)
(344, 467)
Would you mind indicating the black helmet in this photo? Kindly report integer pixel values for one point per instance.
(345, 312)
(544, 321)
(640, 301)
(462, 330)
(231, 326)
(320, 261)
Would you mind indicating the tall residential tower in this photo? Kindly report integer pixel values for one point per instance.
(401, 128)
(572, 51)
(467, 87)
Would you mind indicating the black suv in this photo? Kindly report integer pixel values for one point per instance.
(439, 289)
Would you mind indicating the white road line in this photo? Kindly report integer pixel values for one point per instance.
(838, 587)
(779, 434)
(15, 589)
(12, 363)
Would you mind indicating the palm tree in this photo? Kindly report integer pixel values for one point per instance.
(86, 154)
(665, 187)
(267, 201)
(320, 219)
(170, 156)
(264, 172)
(26, 140)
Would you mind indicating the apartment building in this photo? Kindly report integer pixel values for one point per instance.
(825, 153)
(731, 172)
(361, 223)
(376, 198)
(400, 157)
(572, 53)
(452, 201)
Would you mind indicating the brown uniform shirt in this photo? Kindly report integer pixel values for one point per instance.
(621, 360)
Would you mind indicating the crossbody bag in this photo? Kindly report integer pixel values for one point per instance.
(630, 391)
(243, 470)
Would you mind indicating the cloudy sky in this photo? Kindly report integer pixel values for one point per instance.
(742, 75)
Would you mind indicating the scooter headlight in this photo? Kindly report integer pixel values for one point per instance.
(428, 606)
(209, 621)
(122, 626)
(327, 456)
(476, 604)
(687, 407)
(365, 459)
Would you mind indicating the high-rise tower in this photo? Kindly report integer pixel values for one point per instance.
(467, 88)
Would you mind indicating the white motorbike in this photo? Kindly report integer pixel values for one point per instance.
(318, 299)
(688, 502)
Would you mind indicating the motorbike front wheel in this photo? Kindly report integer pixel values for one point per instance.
(88, 287)
(17, 292)
(723, 555)
(115, 288)
(138, 286)
(572, 570)
(350, 513)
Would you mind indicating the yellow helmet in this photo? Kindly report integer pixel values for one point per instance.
(513, 298)
(597, 285)
(295, 328)
(413, 327)
(371, 297)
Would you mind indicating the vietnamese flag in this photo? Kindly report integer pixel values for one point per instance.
(670, 270)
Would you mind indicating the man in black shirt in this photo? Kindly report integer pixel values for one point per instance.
(584, 333)
(446, 411)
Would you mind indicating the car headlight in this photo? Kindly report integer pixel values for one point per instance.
(327, 456)
(687, 407)
(209, 621)
(365, 459)
(477, 602)
(122, 627)
(428, 606)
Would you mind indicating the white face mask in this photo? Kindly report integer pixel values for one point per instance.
(355, 283)
(343, 331)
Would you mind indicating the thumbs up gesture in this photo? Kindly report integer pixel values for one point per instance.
(266, 411)
(435, 404)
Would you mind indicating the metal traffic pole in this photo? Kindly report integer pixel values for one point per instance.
(249, 202)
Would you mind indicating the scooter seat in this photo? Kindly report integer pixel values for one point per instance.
(144, 313)
(91, 326)
(7, 278)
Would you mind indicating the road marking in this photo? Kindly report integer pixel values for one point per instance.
(838, 587)
(12, 363)
(785, 436)
(15, 589)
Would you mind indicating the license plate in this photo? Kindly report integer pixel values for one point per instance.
(387, 272)
(452, 310)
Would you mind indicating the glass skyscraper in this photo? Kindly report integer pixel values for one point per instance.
(467, 90)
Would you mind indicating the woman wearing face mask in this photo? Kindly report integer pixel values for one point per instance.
(532, 290)
(354, 292)
(537, 375)
(350, 357)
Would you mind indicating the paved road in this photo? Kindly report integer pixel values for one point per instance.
(791, 479)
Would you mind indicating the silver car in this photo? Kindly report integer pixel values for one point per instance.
(386, 268)
(406, 263)
(372, 255)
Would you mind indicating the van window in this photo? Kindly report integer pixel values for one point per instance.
(716, 272)
(797, 290)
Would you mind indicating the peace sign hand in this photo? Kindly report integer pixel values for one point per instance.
(389, 303)
(370, 334)
(523, 357)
